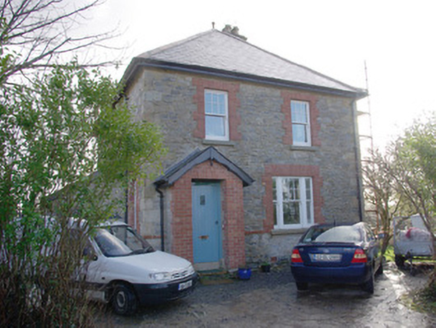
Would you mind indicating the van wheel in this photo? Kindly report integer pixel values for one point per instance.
(399, 261)
(124, 300)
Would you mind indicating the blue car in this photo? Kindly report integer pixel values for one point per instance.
(337, 254)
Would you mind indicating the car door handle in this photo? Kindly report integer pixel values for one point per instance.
(204, 237)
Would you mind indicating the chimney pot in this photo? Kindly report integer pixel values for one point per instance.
(234, 31)
(227, 28)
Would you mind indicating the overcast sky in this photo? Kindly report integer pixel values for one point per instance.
(396, 39)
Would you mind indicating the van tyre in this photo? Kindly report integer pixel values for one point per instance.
(124, 301)
(399, 261)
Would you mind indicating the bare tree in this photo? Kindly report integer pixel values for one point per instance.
(34, 33)
(380, 193)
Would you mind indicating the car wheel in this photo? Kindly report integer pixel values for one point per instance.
(368, 286)
(302, 285)
(124, 300)
(399, 261)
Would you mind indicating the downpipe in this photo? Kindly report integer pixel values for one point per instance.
(161, 205)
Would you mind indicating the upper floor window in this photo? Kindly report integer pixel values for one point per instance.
(216, 115)
(300, 123)
(293, 202)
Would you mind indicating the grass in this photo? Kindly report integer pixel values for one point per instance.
(425, 300)
(390, 257)
(389, 254)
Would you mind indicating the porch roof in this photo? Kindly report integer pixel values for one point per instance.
(176, 171)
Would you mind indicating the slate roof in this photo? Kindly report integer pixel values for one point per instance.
(223, 54)
(176, 171)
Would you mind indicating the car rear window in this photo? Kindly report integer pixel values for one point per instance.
(340, 234)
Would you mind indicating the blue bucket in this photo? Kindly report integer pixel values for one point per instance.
(244, 274)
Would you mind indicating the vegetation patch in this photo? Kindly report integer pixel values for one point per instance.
(424, 300)
(389, 254)
(216, 278)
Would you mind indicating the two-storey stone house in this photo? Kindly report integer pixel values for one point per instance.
(259, 148)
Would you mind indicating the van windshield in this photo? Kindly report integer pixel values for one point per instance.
(121, 241)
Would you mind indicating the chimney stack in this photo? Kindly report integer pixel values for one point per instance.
(233, 31)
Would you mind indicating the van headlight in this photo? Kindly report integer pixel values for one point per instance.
(191, 270)
(169, 276)
(160, 276)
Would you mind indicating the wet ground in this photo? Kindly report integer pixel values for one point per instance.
(271, 300)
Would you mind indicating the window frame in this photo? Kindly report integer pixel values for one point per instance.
(225, 116)
(304, 220)
(307, 125)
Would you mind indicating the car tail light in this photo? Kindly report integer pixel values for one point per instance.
(296, 257)
(359, 256)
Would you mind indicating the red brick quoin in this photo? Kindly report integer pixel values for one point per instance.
(233, 235)
(285, 170)
(314, 113)
(232, 90)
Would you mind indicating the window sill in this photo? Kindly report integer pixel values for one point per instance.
(218, 142)
(304, 148)
(277, 232)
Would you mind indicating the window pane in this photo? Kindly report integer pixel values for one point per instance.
(220, 104)
(291, 213)
(309, 212)
(299, 133)
(275, 213)
(215, 126)
(308, 190)
(274, 189)
(299, 112)
(207, 101)
(214, 105)
(291, 189)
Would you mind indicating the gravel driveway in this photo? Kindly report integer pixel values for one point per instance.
(271, 300)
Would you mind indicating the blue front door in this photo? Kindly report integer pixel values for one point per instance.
(206, 221)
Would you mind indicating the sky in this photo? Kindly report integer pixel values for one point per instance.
(395, 40)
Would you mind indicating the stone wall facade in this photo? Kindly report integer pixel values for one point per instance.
(260, 143)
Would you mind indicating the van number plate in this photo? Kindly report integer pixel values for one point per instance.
(185, 285)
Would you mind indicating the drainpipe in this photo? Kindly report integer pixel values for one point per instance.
(126, 213)
(135, 218)
(357, 159)
(161, 204)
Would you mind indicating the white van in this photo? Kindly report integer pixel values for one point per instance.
(123, 269)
